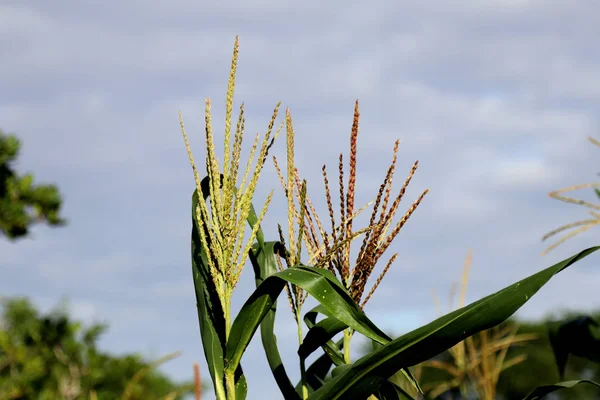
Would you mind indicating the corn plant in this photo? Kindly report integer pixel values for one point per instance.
(221, 247)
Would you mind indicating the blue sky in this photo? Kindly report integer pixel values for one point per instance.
(495, 99)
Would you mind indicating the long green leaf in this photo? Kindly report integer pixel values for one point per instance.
(315, 337)
(391, 391)
(264, 264)
(320, 334)
(316, 373)
(369, 372)
(541, 391)
(320, 283)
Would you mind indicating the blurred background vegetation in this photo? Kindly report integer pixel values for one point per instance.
(53, 357)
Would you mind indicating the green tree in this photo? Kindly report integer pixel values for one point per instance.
(22, 203)
(53, 357)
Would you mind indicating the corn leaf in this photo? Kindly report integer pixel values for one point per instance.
(320, 283)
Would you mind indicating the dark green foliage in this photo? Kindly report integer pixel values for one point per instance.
(540, 367)
(53, 357)
(21, 202)
(579, 336)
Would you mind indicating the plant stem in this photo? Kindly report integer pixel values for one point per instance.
(230, 384)
(220, 391)
(302, 364)
(227, 315)
(229, 375)
(347, 337)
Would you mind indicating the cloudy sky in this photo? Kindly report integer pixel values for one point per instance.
(494, 98)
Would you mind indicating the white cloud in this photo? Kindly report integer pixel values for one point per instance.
(515, 173)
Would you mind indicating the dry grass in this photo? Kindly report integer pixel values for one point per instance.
(478, 361)
(582, 225)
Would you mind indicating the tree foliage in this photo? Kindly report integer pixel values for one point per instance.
(53, 357)
(23, 203)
